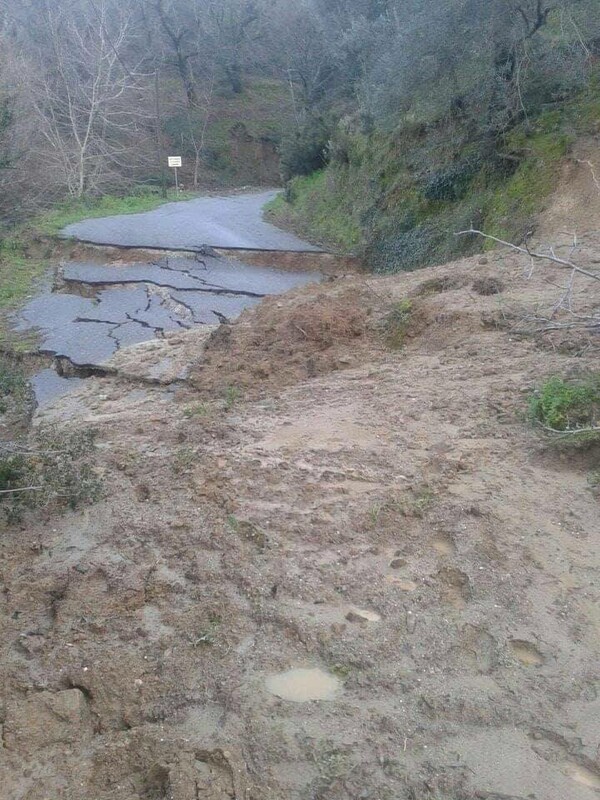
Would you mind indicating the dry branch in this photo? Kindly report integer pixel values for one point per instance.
(570, 431)
(22, 489)
(587, 321)
(551, 256)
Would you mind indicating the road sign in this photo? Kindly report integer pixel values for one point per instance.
(175, 163)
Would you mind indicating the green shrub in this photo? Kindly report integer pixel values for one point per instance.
(396, 324)
(451, 183)
(569, 407)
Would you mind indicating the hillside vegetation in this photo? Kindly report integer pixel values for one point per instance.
(471, 138)
(399, 198)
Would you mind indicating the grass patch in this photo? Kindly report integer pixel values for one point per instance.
(513, 204)
(418, 502)
(18, 272)
(183, 460)
(15, 395)
(196, 410)
(570, 410)
(232, 395)
(319, 206)
(25, 255)
(396, 324)
(51, 222)
(12, 380)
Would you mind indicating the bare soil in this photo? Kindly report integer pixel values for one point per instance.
(302, 496)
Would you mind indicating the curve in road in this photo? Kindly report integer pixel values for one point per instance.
(234, 222)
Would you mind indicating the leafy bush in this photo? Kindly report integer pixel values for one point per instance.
(569, 407)
(452, 182)
(404, 251)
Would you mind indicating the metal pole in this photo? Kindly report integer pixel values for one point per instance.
(176, 183)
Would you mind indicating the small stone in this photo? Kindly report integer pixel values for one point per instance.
(337, 628)
(142, 492)
(352, 616)
(398, 563)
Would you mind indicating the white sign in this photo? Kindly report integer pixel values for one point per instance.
(174, 161)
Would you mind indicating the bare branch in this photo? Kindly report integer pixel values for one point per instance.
(570, 431)
(561, 262)
(22, 489)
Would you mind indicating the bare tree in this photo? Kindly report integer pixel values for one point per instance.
(306, 55)
(87, 100)
(179, 31)
(230, 25)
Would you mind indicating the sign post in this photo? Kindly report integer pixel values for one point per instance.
(175, 163)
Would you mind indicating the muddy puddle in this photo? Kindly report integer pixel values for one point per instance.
(302, 685)
(93, 310)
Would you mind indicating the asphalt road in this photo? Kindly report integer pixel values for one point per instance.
(229, 222)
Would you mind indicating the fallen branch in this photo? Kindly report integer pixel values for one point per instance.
(570, 431)
(551, 256)
(23, 489)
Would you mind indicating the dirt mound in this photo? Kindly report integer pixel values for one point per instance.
(574, 208)
(286, 340)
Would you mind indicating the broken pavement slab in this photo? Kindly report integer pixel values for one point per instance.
(160, 361)
(206, 274)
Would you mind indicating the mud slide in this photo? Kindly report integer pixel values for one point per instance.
(333, 562)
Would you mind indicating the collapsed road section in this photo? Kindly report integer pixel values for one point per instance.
(94, 309)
